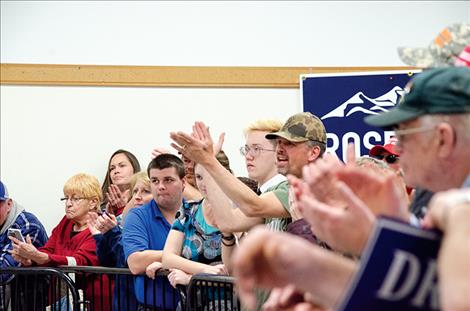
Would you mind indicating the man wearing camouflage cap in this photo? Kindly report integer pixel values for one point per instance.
(301, 140)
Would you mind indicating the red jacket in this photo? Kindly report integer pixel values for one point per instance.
(82, 248)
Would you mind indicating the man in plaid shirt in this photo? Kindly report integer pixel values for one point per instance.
(13, 215)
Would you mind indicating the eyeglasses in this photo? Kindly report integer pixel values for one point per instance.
(74, 200)
(390, 159)
(399, 134)
(254, 151)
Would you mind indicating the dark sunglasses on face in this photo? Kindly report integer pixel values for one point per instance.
(390, 159)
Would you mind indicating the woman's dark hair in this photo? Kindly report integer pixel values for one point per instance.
(252, 184)
(107, 180)
(223, 159)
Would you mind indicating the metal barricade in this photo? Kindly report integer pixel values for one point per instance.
(114, 289)
(38, 288)
(209, 292)
(81, 288)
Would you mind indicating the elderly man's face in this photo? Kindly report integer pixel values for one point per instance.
(417, 155)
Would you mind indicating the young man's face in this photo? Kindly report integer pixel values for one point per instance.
(260, 158)
(291, 157)
(167, 187)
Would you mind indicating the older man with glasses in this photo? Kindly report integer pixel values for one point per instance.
(420, 197)
(432, 125)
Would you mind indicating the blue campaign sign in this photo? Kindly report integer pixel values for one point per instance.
(342, 101)
(397, 271)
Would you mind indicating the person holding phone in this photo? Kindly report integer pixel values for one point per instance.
(13, 216)
(15, 220)
(71, 242)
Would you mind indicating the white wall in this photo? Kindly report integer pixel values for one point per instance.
(226, 33)
(51, 133)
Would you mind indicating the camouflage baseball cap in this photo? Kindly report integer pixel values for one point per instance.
(442, 51)
(301, 127)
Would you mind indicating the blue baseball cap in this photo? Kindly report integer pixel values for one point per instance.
(3, 192)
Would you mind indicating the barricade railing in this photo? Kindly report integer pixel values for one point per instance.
(88, 288)
(37, 288)
(208, 292)
(107, 288)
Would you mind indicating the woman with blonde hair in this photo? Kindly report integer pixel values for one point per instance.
(107, 232)
(71, 242)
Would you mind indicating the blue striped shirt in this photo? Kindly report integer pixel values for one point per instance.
(29, 225)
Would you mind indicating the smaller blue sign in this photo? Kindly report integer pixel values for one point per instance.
(398, 270)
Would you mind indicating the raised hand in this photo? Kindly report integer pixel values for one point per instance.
(383, 194)
(158, 151)
(198, 147)
(282, 298)
(320, 176)
(345, 228)
(201, 132)
(262, 261)
(92, 224)
(116, 198)
(267, 259)
(106, 222)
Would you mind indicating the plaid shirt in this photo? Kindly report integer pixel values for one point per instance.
(29, 225)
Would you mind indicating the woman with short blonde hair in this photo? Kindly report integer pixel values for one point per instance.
(71, 242)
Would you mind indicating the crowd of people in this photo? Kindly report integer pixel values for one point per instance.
(293, 232)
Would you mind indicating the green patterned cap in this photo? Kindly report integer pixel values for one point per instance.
(301, 127)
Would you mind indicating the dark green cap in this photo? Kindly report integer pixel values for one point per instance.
(301, 127)
(434, 91)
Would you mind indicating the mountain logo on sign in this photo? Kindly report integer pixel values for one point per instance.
(362, 103)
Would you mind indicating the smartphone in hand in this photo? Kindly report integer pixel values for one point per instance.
(101, 213)
(16, 233)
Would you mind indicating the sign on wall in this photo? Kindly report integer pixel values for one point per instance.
(342, 100)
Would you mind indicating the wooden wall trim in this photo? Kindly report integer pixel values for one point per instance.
(164, 76)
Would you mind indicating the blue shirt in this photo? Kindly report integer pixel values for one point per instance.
(29, 225)
(147, 229)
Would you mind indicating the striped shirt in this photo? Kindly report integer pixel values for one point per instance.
(29, 225)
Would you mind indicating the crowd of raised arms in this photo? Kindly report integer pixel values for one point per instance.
(291, 233)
